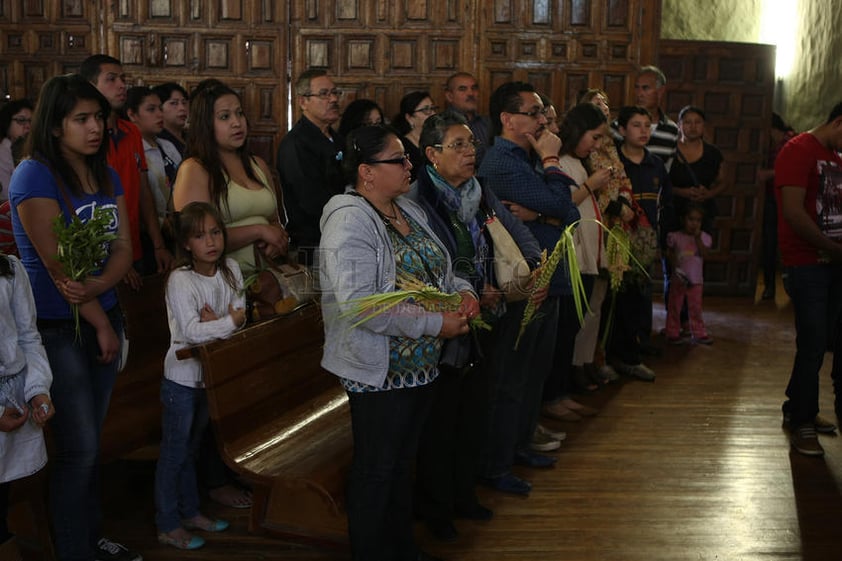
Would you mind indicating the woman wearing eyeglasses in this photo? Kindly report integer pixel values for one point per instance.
(360, 113)
(458, 206)
(15, 121)
(416, 107)
(371, 236)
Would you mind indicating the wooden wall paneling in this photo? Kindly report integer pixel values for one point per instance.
(383, 50)
(734, 84)
(376, 49)
(42, 38)
(565, 46)
(241, 42)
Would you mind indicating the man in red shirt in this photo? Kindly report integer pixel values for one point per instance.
(808, 189)
(126, 156)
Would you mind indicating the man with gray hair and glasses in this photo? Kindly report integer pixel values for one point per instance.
(309, 159)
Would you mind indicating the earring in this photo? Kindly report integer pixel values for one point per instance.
(436, 166)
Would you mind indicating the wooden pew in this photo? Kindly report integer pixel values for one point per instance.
(283, 424)
(133, 423)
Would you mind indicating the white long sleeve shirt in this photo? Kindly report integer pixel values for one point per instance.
(22, 451)
(187, 293)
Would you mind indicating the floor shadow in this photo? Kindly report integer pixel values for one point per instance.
(818, 502)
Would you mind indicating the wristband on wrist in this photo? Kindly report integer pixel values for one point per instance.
(550, 159)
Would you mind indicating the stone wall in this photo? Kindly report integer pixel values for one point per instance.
(815, 84)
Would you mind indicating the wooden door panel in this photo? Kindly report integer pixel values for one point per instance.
(383, 50)
(380, 50)
(576, 44)
(734, 84)
(242, 42)
(40, 39)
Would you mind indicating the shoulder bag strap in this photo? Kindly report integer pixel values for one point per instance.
(684, 161)
(391, 228)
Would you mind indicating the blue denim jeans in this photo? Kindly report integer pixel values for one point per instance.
(816, 294)
(386, 427)
(183, 424)
(81, 391)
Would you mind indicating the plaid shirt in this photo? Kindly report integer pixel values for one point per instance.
(510, 173)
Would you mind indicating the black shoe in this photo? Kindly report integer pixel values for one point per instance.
(533, 460)
(442, 530)
(509, 483)
(649, 349)
(822, 425)
(107, 550)
(474, 512)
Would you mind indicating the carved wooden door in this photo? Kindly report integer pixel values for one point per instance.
(565, 46)
(42, 38)
(375, 49)
(241, 42)
(734, 84)
(383, 50)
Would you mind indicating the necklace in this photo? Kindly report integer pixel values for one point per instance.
(391, 217)
(387, 218)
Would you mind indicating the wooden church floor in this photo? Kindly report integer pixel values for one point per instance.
(693, 467)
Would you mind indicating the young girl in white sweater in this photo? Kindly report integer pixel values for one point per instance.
(25, 379)
(205, 301)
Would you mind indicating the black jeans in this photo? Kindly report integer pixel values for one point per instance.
(450, 443)
(386, 427)
(559, 384)
(4, 511)
(631, 304)
(816, 294)
(515, 382)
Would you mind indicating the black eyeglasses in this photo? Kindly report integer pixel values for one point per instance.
(403, 160)
(22, 120)
(324, 94)
(534, 113)
(427, 109)
(460, 145)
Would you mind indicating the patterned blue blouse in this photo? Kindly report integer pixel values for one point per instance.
(412, 362)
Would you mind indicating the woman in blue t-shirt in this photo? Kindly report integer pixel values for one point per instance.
(66, 174)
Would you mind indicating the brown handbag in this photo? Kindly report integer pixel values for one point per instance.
(277, 287)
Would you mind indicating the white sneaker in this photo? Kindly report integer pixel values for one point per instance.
(554, 434)
(607, 372)
(639, 371)
(543, 443)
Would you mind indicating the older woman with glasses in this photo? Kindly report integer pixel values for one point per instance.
(371, 237)
(458, 206)
(416, 107)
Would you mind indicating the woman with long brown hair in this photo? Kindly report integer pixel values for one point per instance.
(221, 170)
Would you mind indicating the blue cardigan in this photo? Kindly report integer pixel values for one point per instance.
(427, 196)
